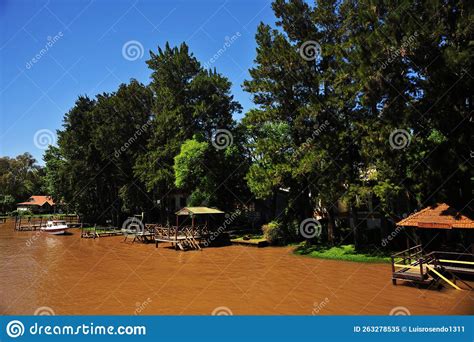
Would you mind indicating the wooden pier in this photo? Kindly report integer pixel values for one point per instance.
(98, 232)
(414, 265)
(32, 223)
(181, 237)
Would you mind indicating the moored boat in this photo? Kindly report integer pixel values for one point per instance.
(55, 227)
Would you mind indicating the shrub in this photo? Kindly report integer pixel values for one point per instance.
(274, 233)
(21, 213)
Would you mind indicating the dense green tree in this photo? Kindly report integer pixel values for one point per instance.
(98, 147)
(188, 101)
(213, 176)
(362, 116)
(299, 87)
(20, 178)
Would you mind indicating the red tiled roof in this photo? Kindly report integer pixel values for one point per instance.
(38, 200)
(440, 216)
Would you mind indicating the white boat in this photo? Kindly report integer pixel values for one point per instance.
(55, 227)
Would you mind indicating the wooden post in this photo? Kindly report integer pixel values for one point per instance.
(394, 281)
(421, 267)
(177, 227)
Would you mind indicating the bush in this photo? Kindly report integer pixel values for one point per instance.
(276, 233)
(21, 213)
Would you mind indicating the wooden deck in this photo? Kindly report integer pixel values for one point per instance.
(183, 238)
(98, 232)
(416, 266)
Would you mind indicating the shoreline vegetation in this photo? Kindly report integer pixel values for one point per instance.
(342, 253)
(318, 251)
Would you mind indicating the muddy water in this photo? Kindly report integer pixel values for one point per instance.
(71, 275)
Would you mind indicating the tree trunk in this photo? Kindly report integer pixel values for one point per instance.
(331, 226)
(355, 229)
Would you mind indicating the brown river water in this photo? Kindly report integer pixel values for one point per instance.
(73, 276)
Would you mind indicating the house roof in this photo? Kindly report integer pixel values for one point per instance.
(198, 211)
(440, 216)
(38, 200)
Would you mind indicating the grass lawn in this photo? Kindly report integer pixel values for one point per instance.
(344, 252)
(97, 230)
(249, 237)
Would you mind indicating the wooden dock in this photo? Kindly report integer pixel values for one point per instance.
(416, 266)
(183, 237)
(98, 232)
(32, 223)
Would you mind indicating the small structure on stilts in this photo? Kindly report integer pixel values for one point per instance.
(415, 264)
(188, 233)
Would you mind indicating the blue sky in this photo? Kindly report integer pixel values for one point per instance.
(53, 51)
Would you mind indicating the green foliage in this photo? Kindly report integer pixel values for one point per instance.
(20, 178)
(278, 234)
(273, 234)
(6, 203)
(378, 71)
(343, 252)
(21, 213)
(91, 170)
(188, 164)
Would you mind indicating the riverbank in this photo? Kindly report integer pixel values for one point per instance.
(343, 252)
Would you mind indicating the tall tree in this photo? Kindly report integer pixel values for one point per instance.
(188, 101)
